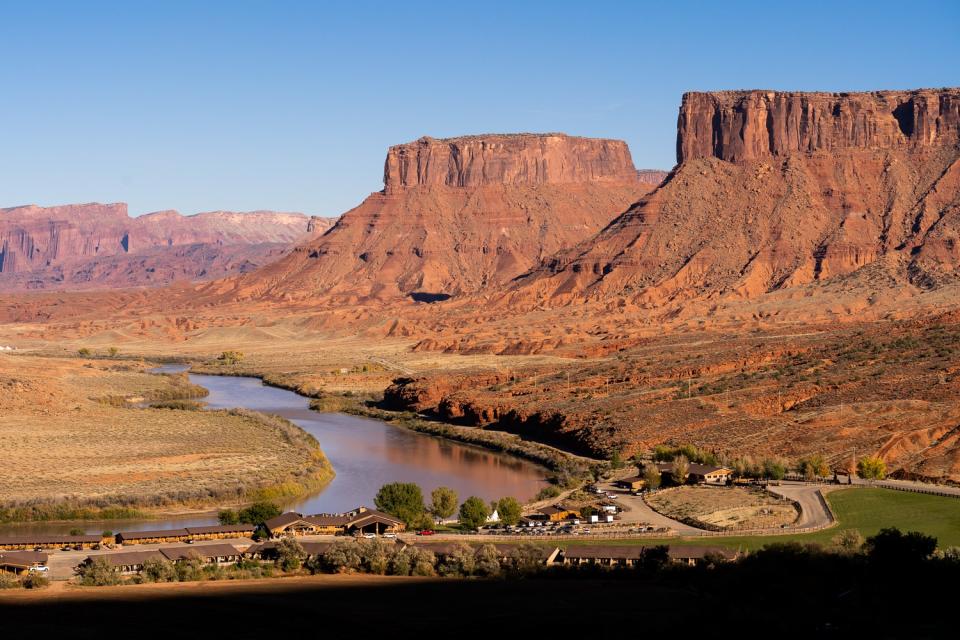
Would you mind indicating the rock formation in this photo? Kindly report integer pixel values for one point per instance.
(458, 216)
(752, 125)
(99, 245)
(776, 190)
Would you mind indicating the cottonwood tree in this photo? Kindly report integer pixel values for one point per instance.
(401, 499)
(474, 513)
(681, 469)
(443, 503)
(290, 554)
(487, 561)
(872, 468)
(651, 476)
(509, 510)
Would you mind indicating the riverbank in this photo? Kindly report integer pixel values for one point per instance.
(569, 470)
(83, 446)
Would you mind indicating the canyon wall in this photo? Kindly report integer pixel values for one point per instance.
(749, 125)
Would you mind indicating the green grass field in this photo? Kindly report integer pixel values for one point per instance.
(867, 510)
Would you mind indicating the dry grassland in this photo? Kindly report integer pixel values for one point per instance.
(727, 508)
(71, 453)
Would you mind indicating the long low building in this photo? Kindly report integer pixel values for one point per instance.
(21, 562)
(268, 550)
(129, 562)
(152, 537)
(49, 541)
(631, 555)
(221, 531)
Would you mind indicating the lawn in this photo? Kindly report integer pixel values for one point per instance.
(867, 510)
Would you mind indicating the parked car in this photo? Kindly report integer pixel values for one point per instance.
(425, 532)
(389, 535)
(369, 536)
(39, 569)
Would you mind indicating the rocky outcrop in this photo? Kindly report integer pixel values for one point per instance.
(101, 245)
(776, 191)
(514, 159)
(751, 125)
(458, 216)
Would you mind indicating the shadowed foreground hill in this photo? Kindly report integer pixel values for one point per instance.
(787, 594)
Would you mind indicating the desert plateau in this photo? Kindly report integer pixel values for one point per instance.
(579, 309)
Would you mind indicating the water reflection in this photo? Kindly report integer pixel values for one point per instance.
(365, 454)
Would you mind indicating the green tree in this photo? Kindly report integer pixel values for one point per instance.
(872, 468)
(527, 557)
(616, 460)
(401, 499)
(158, 570)
(774, 469)
(290, 554)
(443, 502)
(77, 532)
(814, 466)
(83, 352)
(228, 516)
(891, 547)
(258, 513)
(423, 561)
(664, 453)
(113, 351)
(98, 573)
(509, 510)
(681, 469)
(474, 513)
(651, 476)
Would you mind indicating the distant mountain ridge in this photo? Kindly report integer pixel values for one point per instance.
(100, 246)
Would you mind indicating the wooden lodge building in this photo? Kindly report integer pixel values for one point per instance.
(49, 541)
(360, 520)
(21, 562)
(221, 531)
(700, 473)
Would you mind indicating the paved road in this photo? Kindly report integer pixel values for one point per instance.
(812, 510)
(909, 485)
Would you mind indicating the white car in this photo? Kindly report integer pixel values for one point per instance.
(389, 535)
(39, 569)
(369, 536)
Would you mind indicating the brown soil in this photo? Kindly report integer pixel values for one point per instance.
(728, 508)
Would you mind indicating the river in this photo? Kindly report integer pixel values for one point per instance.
(365, 454)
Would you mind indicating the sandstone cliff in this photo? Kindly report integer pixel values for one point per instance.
(752, 125)
(99, 245)
(519, 159)
(458, 216)
(779, 190)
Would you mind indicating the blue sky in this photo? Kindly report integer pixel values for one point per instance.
(291, 106)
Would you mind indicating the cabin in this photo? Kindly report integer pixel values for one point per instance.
(609, 556)
(20, 563)
(206, 553)
(49, 541)
(701, 473)
(221, 531)
(633, 483)
(152, 537)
